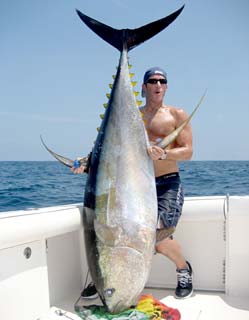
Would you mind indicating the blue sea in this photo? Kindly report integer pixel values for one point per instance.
(36, 184)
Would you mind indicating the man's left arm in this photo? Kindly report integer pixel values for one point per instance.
(183, 148)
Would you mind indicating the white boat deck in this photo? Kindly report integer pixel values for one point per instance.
(203, 305)
(43, 264)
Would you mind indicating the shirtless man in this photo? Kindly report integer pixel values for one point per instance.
(160, 120)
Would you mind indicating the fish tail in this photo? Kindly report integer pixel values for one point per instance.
(128, 38)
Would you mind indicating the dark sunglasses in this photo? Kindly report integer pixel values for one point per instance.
(154, 81)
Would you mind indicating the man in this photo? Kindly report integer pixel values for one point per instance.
(160, 120)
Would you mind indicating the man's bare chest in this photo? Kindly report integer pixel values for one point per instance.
(160, 125)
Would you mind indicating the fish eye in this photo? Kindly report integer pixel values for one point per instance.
(109, 292)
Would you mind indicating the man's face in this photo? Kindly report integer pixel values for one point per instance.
(155, 88)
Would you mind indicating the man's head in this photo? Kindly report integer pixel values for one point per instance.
(154, 71)
(154, 76)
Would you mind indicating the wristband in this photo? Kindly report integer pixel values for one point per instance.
(164, 156)
(76, 164)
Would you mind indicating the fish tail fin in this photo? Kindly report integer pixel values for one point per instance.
(129, 38)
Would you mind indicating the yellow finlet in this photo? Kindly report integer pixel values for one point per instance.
(102, 116)
(105, 105)
(108, 95)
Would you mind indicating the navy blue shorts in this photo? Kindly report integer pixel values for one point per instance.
(170, 199)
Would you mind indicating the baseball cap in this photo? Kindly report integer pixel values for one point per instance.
(152, 71)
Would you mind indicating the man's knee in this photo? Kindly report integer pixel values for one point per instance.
(161, 247)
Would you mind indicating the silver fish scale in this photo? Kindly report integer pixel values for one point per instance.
(120, 205)
(126, 204)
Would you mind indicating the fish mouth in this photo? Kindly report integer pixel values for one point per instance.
(118, 307)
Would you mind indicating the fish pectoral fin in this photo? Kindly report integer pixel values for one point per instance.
(174, 134)
(109, 235)
(66, 161)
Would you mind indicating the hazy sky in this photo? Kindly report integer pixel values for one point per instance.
(55, 72)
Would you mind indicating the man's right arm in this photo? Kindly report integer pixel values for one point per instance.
(85, 165)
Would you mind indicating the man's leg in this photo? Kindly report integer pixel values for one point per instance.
(172, 250)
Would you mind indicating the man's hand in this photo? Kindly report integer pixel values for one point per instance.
(82, 165)
(156, 153)
(78, 170)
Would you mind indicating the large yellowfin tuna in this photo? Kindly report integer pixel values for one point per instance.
(120, 204)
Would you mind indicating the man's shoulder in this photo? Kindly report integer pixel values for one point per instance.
(176, 110)
(178, 113)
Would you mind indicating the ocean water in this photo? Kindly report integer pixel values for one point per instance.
(35, 184)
